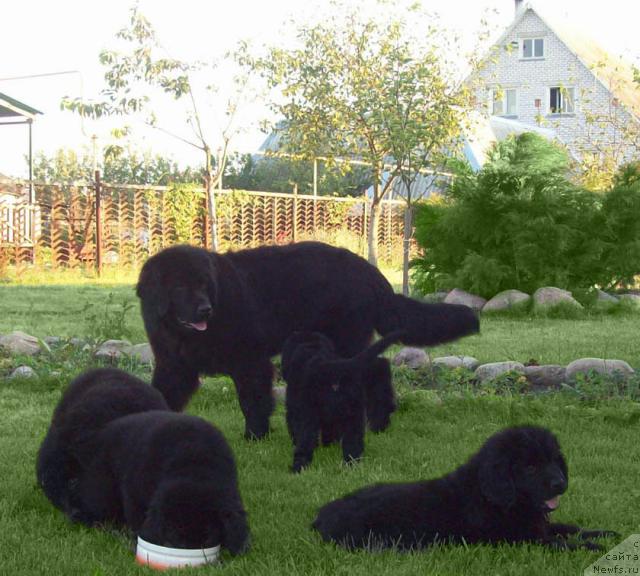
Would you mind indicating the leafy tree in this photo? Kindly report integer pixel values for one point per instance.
(365, 88)
(139, 75)
(124, 167)
(278, 174)
(518, 223)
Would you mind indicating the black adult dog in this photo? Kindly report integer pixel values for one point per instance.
(504, 493)
(171, 478)
(89, 403)
(327, 395)
(230, 313)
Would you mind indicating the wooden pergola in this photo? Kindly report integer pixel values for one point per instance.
(14, 112)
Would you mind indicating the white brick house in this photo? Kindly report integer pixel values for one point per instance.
(544, 73)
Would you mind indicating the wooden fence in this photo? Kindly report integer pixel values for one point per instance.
(136, 221)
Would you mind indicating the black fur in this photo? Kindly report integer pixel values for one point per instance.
(171, 478)
(327, 395)
(230, 313)
(89, 403)
(499, 495)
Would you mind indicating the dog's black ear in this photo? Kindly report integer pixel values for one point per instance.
(152, 293)
(235, 531)
(496, 482)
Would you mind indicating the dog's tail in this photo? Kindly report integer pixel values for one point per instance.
(339, 366)
(425, 324)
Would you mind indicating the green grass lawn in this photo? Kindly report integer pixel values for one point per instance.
(433, 432)
(430, 435)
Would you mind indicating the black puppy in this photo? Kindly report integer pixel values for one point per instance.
(115, 453)
(169, 477)
(327, 394)
(230, 313)
(89, 403)
(504, 493)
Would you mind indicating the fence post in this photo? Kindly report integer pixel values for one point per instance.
(295, 212)
(98, 211)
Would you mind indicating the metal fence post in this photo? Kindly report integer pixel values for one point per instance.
(98, 211)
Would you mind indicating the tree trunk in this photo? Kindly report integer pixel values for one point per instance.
(374, 219)
(406, 245)
(372, 232)
(211, 203)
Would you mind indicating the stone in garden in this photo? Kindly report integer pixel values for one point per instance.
(605, 297)
(20, 343)
(546, 376)
(456, 362)
(486, 372)
(77, 342)
(505, 300)
(435, 297)
(412, 357)
(551, 296)
(112, 349)
(608, 367)
(141, 352)
(633, 298)
(52, 340)
(279, 393)
(23, 372)
(457, 296)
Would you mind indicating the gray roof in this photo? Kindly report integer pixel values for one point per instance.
(12, 108)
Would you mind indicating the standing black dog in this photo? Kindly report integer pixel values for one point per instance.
(327, 395)
(116, 453)
(504, 493)
(230, 313)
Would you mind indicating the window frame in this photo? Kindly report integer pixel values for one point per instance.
(533, 41)
(504, 102)
(562, 91)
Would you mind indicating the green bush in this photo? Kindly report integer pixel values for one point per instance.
(521, 223)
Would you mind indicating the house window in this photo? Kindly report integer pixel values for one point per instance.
(504, 102)
(562, 100)
(532, 48)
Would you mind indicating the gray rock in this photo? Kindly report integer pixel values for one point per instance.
(142, 352)
(604, 297)
(457, 296)
(550, 296)
(412, 357)
(112, 349)
(608, 367)
(20, 343)
(546, 376)
(279, 393)
(486, 372)
(435, 297)
(456, 362)
(633, 298)
(52, 340)
(77, 342)
(23, 372)
(505, 300)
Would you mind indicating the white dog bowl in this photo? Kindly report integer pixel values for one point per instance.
(161, 557)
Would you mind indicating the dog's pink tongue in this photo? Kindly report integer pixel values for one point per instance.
(553, 503)
(200, 326)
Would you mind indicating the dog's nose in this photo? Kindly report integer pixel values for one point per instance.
(204, 310)
(558, 484)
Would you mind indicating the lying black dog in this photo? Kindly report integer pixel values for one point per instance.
(89, 403)
(230, 313)
(327, 395)
(504, 493)
(171, 478)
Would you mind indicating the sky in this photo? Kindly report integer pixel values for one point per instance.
(66, 36)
